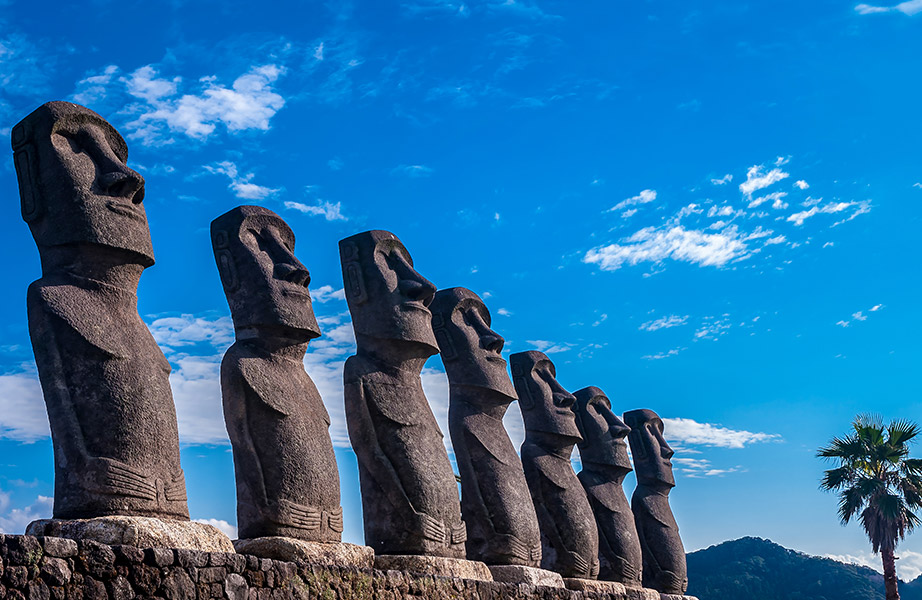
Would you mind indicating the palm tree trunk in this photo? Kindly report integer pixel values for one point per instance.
(890, 580)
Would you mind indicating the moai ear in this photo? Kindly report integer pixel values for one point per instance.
(638, 447)
(526, 402)
(24, 159)
(443, 338)
(353, 280)
(226, 266)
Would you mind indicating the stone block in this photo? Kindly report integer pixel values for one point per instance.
(434, 565)
(613, 588)
(634, 593)
(141, 532)
(529, 575)
(59, 547)
(55, 571)
(315, 553)
(159, 557)
(676, 597)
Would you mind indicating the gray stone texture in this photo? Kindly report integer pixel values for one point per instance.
(440, 566)
(141, 532)
(287, 479)
(528, 575)
(569, 537)
(410, 497)
(315, 553)
(664, 567)
(95, 356)
(502, 527)
(124, 573)
(594, 585)
(603, 454)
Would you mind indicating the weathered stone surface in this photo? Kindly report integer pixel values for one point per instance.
(290, 549)
(613, 588)
(603, 454)
(635, 593)
(95, 355)
(59, 547)
(676, 597)
(235, 587)
(569, 537)
(410, 498)
(502, 527)
(527, 575)
(287, 479)
(434, 565)
(664, 567)
(141, 532)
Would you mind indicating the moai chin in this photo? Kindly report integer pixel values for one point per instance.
(569, 538)
(105, 380)
(664, 567)
(287, 479)
(410, 497)
(496, 505)
(603, 453)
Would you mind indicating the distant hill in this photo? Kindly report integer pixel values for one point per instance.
(757, 569)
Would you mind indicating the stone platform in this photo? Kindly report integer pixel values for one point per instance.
(440, 566)
(294, 550)
(522, 574)
(594, 585)
(140, 532)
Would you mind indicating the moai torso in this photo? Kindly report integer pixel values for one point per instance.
(664, 567)
(285, 466)
(104, 379)
(570, 540)
(409, 494)
(603, 453)
(496, 505)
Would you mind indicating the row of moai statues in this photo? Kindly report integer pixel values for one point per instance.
(105, 381)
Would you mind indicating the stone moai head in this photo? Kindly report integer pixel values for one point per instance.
(266, 286)
(471, 351)
(649, 449)
(603, 432)
(74, 185)
(387, 298)
(546, 406)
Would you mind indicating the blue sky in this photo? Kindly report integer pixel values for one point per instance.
(707, 209)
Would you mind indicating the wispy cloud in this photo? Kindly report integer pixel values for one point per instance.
(325, 293)
(241, 184)
(662, 355)
(723, 180)
(675, 242)
(550, 347)
(908, 567)
(861, 207)
(16, 519)
(912, 7)
(644, 197)
(700, 467)
(713, 328)
(664, 323)
(689, 431)
(22, 408)
(859, 316)
(222, 526)
(412, 170)
(327, 210)
(757, 178)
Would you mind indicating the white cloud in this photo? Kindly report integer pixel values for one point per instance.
(756, 179)
(664, 323)
(412, 171)
(723, 180)
(775, 198)
(186, 330)
(93, 88)
(327, 210)
(700, 467)
(504, 312)
(830, 208)
(629, 213)
(662, 355)
(242, 185)
(712, 328)
(908, 567)
(325, 293)
(689, 431)
(801, 184)
(550, 347)
(917, 185)
(250, 103)
(721, 211)
(910, 8)
(876, 307)
(15, 520)
(859, 316)
(22, 408)
(656, 244)
(842, 323)
(644, 197)
(222, 525)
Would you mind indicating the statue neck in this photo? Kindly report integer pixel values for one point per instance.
(111, 266)
(397, 355)
(480, 399)
(274, 342)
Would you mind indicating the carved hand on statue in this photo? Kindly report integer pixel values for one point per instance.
(580, 564)
(459, 533)
(513, 546)
(429, 528)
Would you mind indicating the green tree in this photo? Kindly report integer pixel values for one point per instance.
(878, 481)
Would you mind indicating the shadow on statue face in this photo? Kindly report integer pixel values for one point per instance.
(546, 406)
(87, 194)
(651, 453)
(603, 432)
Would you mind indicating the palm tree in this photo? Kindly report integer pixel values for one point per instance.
(877, 480)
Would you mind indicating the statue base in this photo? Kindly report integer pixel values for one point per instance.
(529, 575)
(434, 565)
(634, 593)
(140, 532)
(315, 553)
(676, 597)
(596, 586)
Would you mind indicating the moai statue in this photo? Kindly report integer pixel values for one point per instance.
(603, 453)
(105, 380)
(410, 497)
(569, 538)
(664, 566)
(287, 479)
(496, 505)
